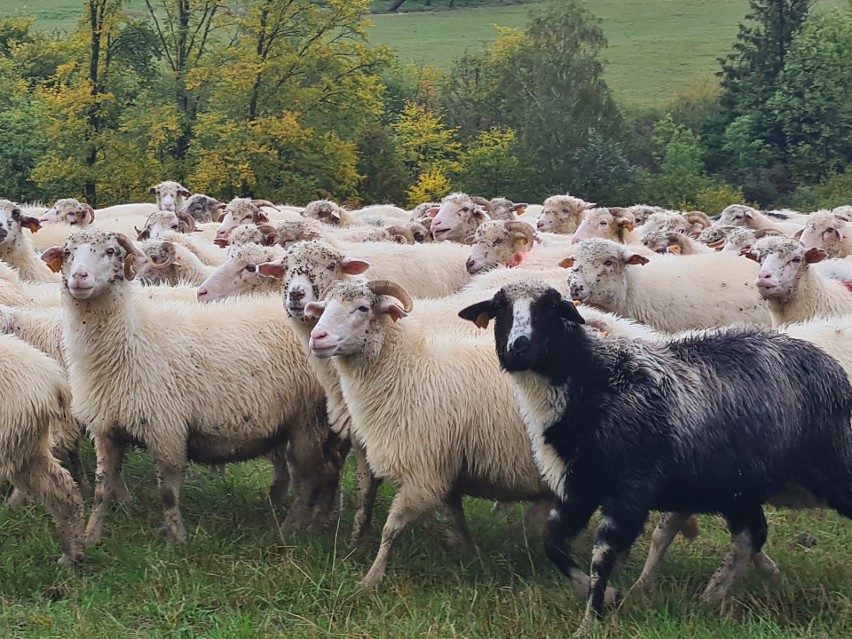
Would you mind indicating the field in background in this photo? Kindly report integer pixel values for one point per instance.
(238, 578)
(656, 47)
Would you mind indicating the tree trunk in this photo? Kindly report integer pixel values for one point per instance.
(396, 5)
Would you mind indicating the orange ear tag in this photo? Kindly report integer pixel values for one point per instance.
(482, 320)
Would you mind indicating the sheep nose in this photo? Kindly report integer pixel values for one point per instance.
(296, 295)
(80, 275)
(2, 234)
(470, 265)
(540, 225)
(521, 345)
(764, 275)
(201, 293)
(318, 335)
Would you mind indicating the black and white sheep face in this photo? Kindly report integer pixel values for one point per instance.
(783, 261)
(530, 319)
(562, 214)
(496, 244)
(826, 231)
(736, 215)
(92, 262)
(598, 271)
(12, 219)
(69, 211)
(170, 195)
(457, 218)
(604, 223)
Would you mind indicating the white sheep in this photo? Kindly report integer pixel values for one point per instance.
(614, 224)
(240, 210)
(206, 383)
(832, 232)
(663, 242)
(131, 209)
(34, 401)
(262, 234)
(498, 243)
(463, 436)
(16, 247)
(70, 211)
(457, 218)
(170, 195)
(15, 292)
(171, 264)
(202, 208)
(666, 292)
(330, 213)
(743, 215)
(503, 209)
(161, 222)
(238, 275)
(794, 291)
(563, 214)
(691, 223)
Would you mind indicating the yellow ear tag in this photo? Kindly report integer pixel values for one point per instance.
(522, 241)
(576, 302)
(482, 320)
(55, 264)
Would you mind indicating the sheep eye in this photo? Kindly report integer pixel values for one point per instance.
(608, 263)
(738, 217)
(331, 267)
(681, 231)
(174, 226)
(251, 268)
(465, 209)
(603, 223)
(829, 230)
(418, 237)
(498, 242)
(796, 260)
(661, 250)
(363, 308)
(110, 251)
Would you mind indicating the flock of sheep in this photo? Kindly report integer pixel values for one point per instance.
(679, 364)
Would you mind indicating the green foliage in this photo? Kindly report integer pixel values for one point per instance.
(490, 166)
(427, 145)
(813, 104)
(381, 163)
(713, 199)
(836, 190)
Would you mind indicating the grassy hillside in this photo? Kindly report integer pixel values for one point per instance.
(656, 47)
(238, 578)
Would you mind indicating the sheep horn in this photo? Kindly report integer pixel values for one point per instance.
(188, 221)
(385, 287)
(521, 227)
(169, 249)
(403, 231)
(259, 203)
(483, 203)
(698, 217)
(130, 268)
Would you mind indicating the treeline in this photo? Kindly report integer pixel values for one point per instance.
(287, 100)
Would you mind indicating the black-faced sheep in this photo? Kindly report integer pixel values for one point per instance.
(632, 426)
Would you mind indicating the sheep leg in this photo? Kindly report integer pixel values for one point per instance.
(110, 454)
(616, 533)
(368, 484)
(748, 534)
(310, 474)
(455, 515)
(280, 477)
(53, 487)
(78, 472)
(566, 521)
(662, 537)
(170, 477)
(407, 506)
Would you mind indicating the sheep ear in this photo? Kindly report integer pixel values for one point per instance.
(814, 255)
(568, 310)
(433, 211)
(220, 218)
(750, 253)
(636, 260)
(568, 262)
(590, 205)
(353, 266)
(153, 190)
(798, 234)
(88, 214)
(184, 192)
(674, 249)
(520, 209)
(31, 223)
(274, 269)
(625, 224)
(393, 309)
(748, 214)
(469, 240)
(480, 313)
(143, 235)
(314, 309)
(53, 258)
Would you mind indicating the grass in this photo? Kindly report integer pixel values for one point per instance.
(237, 577)
(657, 48)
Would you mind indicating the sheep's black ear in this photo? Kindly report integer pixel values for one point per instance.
(480, 313)
(570, 312)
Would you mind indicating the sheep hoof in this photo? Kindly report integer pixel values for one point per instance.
(586, 628)
(612, 597)
(372, 580)
(765, 565)
(69, 561)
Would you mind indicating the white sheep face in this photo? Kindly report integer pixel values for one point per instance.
(562, 214)
(69, 211)
(12, 219)
(736, 215)
(828, 232)
(93, 262)
(240, 210)
(457, 218)
(598, 272)
(666, 222)
(783, 262)
(170, 195)
(159, 224)
(238, 275)
(494, 245)
(602, 223)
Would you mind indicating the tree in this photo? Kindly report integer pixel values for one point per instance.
(426, 143)
(490, 166)
(812, 104)
(547, 85)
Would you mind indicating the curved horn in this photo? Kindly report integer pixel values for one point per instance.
(130, 268)
(188, 221)
(169, 249)
(403, 231)
(386, 287)
(259, 203)
(698, 217)
(483, 203)
(521, 227)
